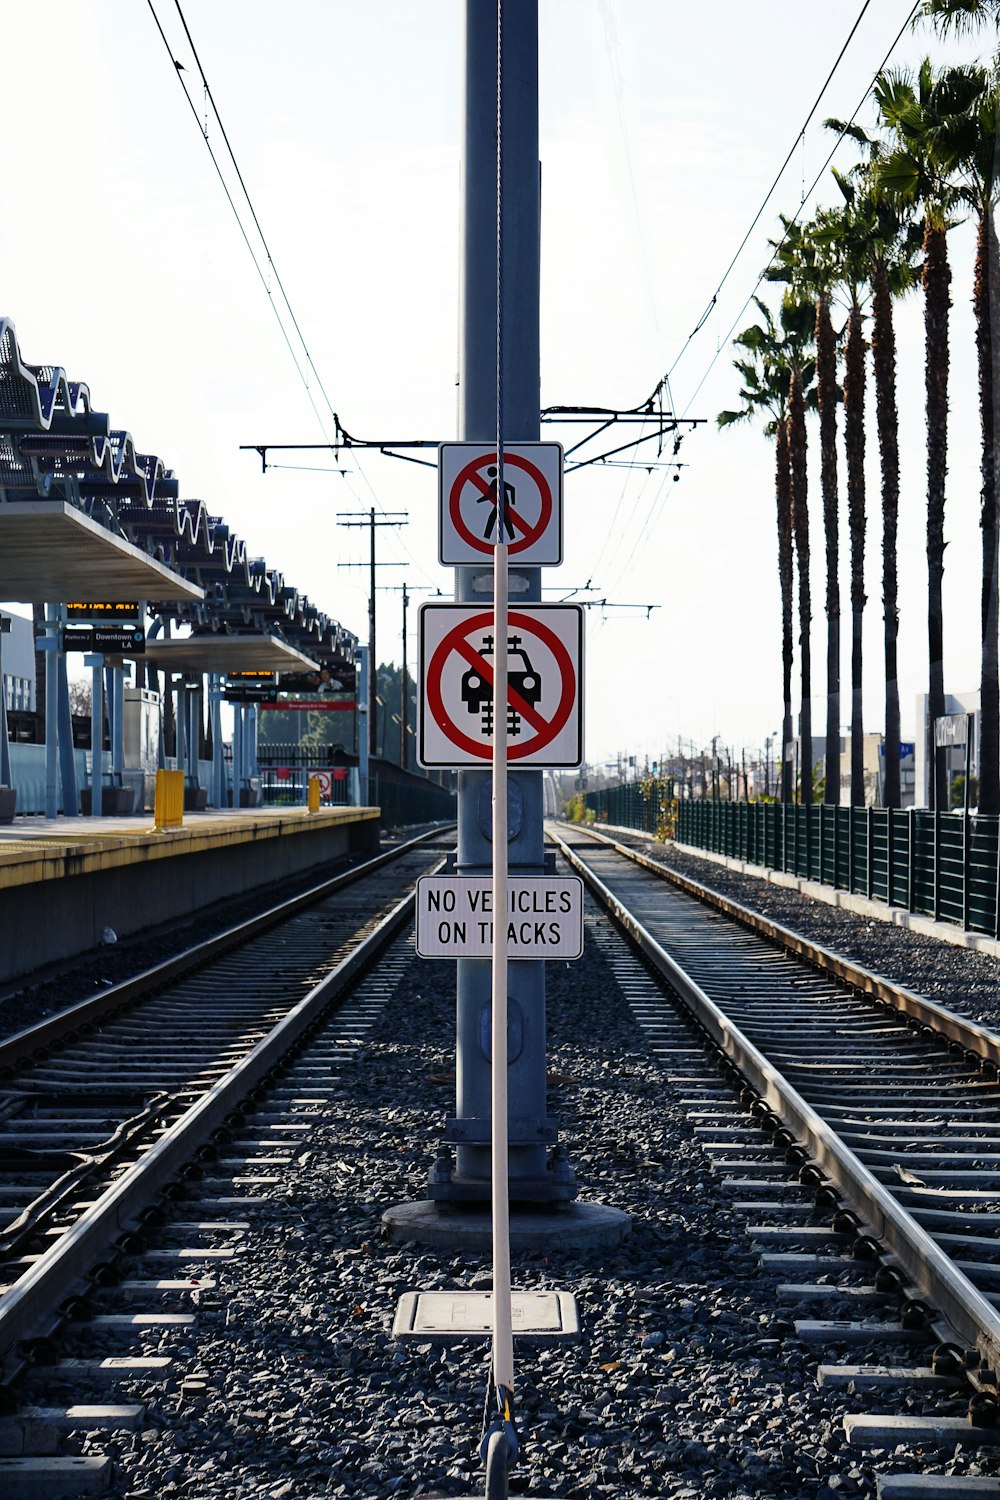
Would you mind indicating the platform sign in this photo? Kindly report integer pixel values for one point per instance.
(247, 692)
(109, 640)
(121, 609)
(544, 685)
(455, 916)
(467, 500)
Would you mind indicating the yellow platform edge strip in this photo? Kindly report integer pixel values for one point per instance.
(55, 856)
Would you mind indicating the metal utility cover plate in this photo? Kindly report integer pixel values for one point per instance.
(439, 1317)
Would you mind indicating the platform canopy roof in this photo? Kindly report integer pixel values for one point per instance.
(227, 653)
(55, 450)
(50, 550)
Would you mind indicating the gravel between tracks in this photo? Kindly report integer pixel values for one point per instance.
(688, 1382)
(959, 978)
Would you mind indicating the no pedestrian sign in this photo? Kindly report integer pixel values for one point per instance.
(544, 718)
(467, 494)
(455, 916)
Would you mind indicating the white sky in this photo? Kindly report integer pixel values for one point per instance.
(662, 125)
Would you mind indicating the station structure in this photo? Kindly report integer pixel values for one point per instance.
(143, 582)
(84, 515)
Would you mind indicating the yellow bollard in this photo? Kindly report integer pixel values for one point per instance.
(168, 805)
(313, 790)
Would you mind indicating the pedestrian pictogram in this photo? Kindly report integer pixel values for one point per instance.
(467, 484)
(544, 711)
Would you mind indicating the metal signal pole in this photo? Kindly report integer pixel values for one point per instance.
(531, 1174)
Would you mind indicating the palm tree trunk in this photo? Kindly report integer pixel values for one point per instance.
(936, 281)
(854, 440)
(783, 496)
(884, 362)
(987, 306)
(826, 390)
(800, 525)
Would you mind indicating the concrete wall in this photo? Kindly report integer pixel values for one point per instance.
(46, 920)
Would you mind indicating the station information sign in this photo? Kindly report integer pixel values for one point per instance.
(247, 692)
(122, 609)
(455, 916)
(110, 640)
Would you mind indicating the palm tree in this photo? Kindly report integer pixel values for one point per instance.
(775, 353)
(915, 108)
(957, 142)
(800, 261)
(828, 395)
(893, 246)
(960, 16)
(843, 235)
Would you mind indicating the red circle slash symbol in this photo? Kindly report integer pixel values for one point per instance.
(545, 729)
(529, 532)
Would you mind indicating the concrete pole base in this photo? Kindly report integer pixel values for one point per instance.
(578, 1226)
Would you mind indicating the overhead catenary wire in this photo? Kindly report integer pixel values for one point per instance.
(204, 133)
(724, 343)
(800, 138)
(269, 261)
(253, 211)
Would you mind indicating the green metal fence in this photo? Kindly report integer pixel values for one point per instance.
(647, 805)
(410, 800)
(941, 865)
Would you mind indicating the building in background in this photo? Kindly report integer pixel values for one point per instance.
(17, 655)
(951, 737)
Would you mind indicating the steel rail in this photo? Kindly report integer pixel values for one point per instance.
(34, 1041)
(967, 1313)
(921, 1011)
(30, 1301)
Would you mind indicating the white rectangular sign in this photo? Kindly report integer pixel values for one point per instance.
(455, 916)
(544, 685)
(467, 503)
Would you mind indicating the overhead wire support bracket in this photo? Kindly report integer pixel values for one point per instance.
(603, 418)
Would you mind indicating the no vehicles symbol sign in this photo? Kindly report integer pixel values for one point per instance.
(467, 493)
(544, 718)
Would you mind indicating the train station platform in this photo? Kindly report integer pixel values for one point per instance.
(64, 882)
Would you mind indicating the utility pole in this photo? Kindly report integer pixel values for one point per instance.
(390, 518)
(404, 729)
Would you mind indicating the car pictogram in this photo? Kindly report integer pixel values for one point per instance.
(477, 692)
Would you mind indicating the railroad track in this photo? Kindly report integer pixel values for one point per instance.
(102, 1105)
(162, 1300)
(880, 1106)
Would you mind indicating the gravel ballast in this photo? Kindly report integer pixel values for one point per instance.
(960, 978)
(688, 1381)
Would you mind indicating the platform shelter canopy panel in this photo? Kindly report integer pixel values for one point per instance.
(57, 452)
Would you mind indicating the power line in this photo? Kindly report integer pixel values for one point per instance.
(203, 132)
(657, 504)
(802, 202)
(768, 195)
